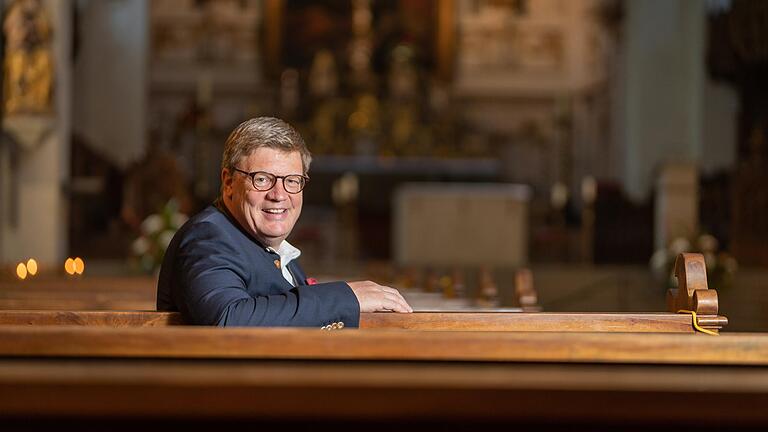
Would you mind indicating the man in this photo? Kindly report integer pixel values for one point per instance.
(231, 265)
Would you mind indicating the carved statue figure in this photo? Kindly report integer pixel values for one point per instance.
(28, 60)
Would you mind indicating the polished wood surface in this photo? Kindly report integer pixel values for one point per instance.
(132, 318)
(449, 321)
(91, 293)
(93, 375)
(537, 322)
(373, 392)
(294, 343)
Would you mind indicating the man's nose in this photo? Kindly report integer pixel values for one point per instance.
(278, 192)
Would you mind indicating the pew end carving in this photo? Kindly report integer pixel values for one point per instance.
(693, 293)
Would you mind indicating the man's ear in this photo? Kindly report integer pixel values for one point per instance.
(226, 182)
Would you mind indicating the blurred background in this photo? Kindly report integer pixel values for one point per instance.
(454, 142)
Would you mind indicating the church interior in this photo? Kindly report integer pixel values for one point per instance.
(557, 187)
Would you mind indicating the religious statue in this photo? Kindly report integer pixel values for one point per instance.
(28, 59)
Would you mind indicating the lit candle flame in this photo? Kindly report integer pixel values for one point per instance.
(79, 265)
(21, 271)
(32, 266)
(69, 266)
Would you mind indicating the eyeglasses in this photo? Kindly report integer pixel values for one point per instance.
(264, 181)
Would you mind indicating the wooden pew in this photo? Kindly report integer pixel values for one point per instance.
(359, 344)
(545, 371)
(139, 293)
(380, 377)
(693, 295)
(454, 321)
(91, 293)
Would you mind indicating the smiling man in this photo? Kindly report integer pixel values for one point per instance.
(231, 264)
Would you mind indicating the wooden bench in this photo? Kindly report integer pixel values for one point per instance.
(139, 293)
(692, 295)
(378, 377)
(91, 293)
(458, 321)
(88, 368)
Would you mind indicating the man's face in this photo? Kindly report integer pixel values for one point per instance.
(267, 215)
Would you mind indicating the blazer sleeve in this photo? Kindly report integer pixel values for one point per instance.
(213, 279)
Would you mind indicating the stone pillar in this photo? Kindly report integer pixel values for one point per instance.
(664, 84)
(35, 223)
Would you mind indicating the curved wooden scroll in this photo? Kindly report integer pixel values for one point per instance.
(693, 293)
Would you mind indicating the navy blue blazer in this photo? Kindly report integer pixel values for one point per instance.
(215, 273)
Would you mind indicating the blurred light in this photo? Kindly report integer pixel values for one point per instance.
(589, 189)
(21, 271)
(558, 195)
(79, 265)
(32, 266)
(69, 266)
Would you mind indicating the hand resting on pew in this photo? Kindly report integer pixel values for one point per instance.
(378, 298)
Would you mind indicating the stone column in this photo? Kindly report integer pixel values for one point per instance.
(35, 225)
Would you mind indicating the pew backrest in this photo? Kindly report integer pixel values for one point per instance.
(426, 321)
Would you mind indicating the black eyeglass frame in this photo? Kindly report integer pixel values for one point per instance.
(274, 178)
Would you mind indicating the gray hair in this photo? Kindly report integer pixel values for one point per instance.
(263, 132)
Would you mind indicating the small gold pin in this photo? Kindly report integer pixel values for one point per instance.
(277, 263)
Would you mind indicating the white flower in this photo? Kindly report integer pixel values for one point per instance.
(707, 243)
(165, 239)
(152, 224)
(140, 246)
(178, 219)
(679, 245)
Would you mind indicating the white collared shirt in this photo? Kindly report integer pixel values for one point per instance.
(287, 253)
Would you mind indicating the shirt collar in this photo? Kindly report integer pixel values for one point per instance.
(287, 252)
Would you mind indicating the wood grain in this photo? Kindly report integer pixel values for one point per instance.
(294, 343)
(132, 318)
(532, 322)
(447, 321)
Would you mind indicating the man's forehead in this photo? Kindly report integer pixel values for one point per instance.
(273, 157)
(273, 153)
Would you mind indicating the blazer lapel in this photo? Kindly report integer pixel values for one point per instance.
(298, 274)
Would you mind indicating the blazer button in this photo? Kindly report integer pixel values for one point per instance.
(334, 326)
(341, 324)
(324, 328)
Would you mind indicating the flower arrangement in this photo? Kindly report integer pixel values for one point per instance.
(156, 232)
(721, 266)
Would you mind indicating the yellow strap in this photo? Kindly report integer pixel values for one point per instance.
(696, 323)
